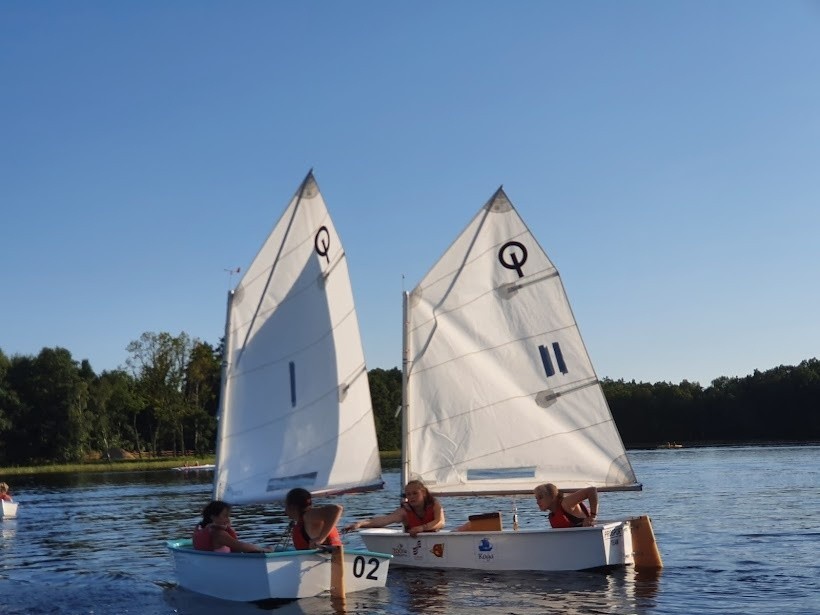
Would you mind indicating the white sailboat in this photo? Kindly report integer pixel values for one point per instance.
(499, 396)
(295, 409)
(8, 510)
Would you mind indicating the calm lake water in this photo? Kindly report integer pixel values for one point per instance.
(738, 529)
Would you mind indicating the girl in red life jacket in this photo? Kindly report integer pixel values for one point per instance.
(313, 526)
(568, 510)
(4, 493)
(215, 533)
(420, 512)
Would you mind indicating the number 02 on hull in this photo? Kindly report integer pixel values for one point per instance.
(249, 577)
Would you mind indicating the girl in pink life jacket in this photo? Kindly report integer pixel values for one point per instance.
(568, 510)
(313, 526)
(4, 493)
(214, 533)
(420, 512)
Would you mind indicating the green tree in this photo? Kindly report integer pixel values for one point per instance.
(385, 392)
(202, 382)
(158, 362)
(112, 404)
(50, 421)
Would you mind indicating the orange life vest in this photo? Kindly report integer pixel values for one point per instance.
(204, 540)
(561, 518)
(301, 540)
(411, 519)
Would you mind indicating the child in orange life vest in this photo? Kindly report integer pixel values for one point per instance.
(568, 510)
(215, 533)
(314, 526)
(4, 493)
(421, 512)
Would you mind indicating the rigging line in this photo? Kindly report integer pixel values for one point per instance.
(284, 538)
(273, 267)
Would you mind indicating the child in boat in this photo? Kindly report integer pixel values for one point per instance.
(4, 493)
(313, 526)
(421, 512)
(215, 533)
(568, 510)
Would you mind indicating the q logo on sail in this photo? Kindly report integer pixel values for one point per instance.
(514, 257)
(322, 242)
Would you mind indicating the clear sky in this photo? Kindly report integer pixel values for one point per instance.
(665, 154)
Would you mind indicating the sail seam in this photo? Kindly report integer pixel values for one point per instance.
(492, 348)
(544, 274)
(302, 408)
(520, 444)
(288, 356)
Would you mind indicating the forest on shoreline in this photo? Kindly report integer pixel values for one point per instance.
(55, 409)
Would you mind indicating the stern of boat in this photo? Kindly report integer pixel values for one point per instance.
(8, 510)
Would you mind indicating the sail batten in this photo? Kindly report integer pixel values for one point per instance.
(500, 393)
(296, 408)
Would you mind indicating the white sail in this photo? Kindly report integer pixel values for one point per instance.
(500, 392)
(295, 409)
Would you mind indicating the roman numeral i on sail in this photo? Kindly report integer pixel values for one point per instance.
(547, 360)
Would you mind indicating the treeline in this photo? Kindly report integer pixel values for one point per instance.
(56, 409)
(778, 405)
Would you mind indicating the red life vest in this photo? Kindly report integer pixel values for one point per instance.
(203, 537)
(561, 518)
(411, 519)
(301, 540)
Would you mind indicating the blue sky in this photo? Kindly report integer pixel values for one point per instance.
(665, 155)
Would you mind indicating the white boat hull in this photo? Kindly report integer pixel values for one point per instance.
(248, 577)
(607, 544)
(8, 510)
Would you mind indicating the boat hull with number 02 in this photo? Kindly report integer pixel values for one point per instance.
(249, 577)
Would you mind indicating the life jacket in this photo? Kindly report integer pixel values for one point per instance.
(411, 519)
(301, 540)
(6, 497)
(561, 518)
(204, 540)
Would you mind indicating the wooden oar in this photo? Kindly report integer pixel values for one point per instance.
(337, 577)
(644, 547)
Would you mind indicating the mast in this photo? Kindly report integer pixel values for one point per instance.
(223, 393)
(405, 377)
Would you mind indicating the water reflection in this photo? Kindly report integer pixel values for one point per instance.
(97, 543)
(423, 591)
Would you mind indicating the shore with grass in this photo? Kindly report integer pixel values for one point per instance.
(146, 464)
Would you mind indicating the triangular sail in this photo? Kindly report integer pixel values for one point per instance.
(500, 391)
(295, 408)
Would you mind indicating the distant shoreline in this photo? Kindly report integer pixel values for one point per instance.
(151, 464)
(391, 459)
(721, 444)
